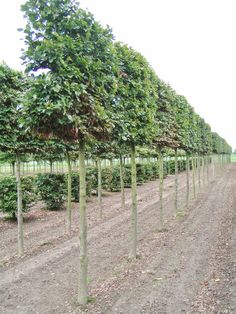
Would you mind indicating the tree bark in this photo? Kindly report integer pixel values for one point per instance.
(83, 259)
(213, 166)
(203, 171)
(68, 216)
(176, 180)
(161, 188)
(133, 244)
(122, 186)
(194, 175)
(99, 187)
(187, 181)
(207, 169)
(199, 171)
(51, 167)
(13, 168)
(19, 208)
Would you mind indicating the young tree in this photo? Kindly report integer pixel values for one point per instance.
(13, 136)
(135, 107)
(165, 133)
(71, 100)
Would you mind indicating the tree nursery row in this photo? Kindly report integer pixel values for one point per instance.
(83, 95)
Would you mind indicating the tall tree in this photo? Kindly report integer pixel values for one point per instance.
(135, 105)
(13, 136)
(71, 99)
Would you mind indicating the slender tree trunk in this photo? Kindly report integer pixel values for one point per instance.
(213, 166)
(19, 208)
(111, 169)
(203, 171)
(194, 175)
(68, 216)
(133, 246)
(51, 166)
(13, 168)
(99, 187)
(122, 186)
(176, 180)
(199, 171)
(207, 169)
(161, 188)
(187, 181)
(83, 265)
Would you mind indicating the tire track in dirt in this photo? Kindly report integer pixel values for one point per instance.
(48, 282)
(172, 275)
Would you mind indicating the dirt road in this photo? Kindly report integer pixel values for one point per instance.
(187, 268)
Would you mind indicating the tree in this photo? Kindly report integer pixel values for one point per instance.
(135, 106)
(71, 99)
(13, 136)
(165, 133)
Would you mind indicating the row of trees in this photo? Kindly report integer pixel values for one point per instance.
(83, 92)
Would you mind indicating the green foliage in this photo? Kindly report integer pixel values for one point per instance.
(165, 117)
(145, 172)
(51, 189)
(8, 195)
(71, 100)
(91, 183)
(135, 98)
(12, 86)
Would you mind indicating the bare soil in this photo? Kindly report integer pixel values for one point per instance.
(187, 267)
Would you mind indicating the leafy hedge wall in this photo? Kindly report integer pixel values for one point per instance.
(8, 195)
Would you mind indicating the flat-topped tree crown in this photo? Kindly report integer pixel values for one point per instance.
(206, 137)
(183, 121)
(135, 98)
(165, 122)
(13, 135)
(192, 140)
(71, 99)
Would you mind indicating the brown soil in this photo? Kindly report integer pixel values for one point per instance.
(188, 267)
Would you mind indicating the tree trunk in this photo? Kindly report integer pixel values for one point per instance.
(161, 188)
(99, 187)
(122, 186)
(203, 171)
(213, 166)
(133, 244)
(13, 168)
(68, 216)
(199, 171)
(51, 166)
(111, 169)
(19, 208)
(83, 259)
(207, 169)
(194, 175)
(187, 181)
(176, 180)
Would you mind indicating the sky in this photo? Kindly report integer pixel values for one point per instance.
(191, 44)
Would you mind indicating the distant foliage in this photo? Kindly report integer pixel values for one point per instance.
(51, 188)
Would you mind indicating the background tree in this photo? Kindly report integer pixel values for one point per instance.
(13, 136)
(165, 133)
(135, 105)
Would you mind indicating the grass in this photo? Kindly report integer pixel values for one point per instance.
(233, 157)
